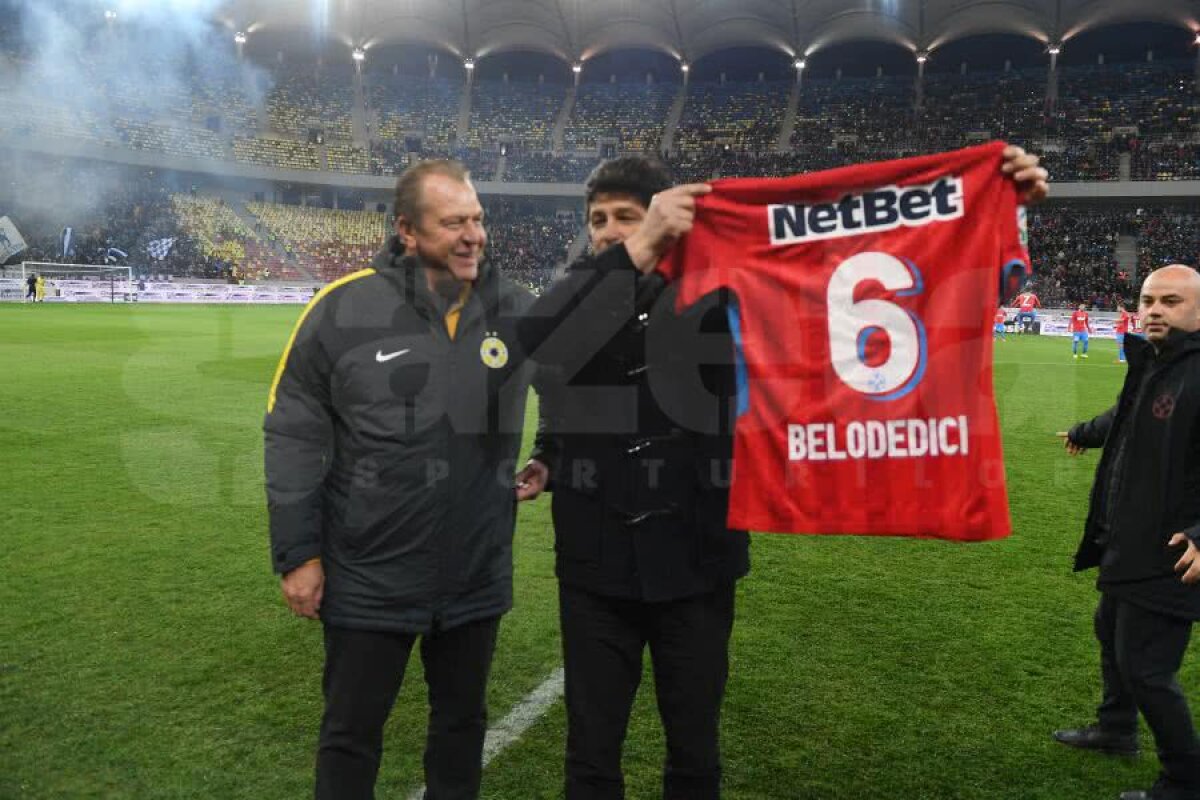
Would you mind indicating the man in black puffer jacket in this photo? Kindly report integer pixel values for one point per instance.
(391, 434)
(1142, 528)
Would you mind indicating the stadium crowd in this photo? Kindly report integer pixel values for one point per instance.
(117, 210)
(1074, 256)
(1110, 120)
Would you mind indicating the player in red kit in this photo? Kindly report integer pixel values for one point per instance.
(1081, 328)
(1123, 325)
(1001, 317)
(1026, 303)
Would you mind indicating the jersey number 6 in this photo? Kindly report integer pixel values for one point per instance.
(852, 324)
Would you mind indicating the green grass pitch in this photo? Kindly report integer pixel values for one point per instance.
(145, 651)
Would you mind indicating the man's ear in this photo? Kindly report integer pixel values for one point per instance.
(404, 230)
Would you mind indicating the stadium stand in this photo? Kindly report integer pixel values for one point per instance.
(744, 116)
(425, 108)
(1165, 160)
(1143, 113)
(285, 153)
(1083, 161)
(177, 141)
(1000, 104)
(220, 235)
(48, 120)
(1074, 255)
(348, 158)
(1167, 236)
(330, 243)
(875, 114)
(548, 168)
(1140, 116)
(630, 115)
(521, 113)
(299, 103)
(1156, 98)
(525, 240)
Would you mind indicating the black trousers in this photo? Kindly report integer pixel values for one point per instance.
(603, 641)
(363, 673)
(1140, 655)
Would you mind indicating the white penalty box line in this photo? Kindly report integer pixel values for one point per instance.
(524, 714)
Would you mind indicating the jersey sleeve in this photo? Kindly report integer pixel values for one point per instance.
(704, 261)
(1015, 266)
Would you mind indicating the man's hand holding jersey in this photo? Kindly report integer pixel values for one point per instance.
(1032, 179)
(670, 216)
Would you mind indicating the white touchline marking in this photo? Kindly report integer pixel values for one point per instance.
(522, 717)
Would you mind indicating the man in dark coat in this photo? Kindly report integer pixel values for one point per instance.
(391, 434)
(644, 556)
(1142, 528)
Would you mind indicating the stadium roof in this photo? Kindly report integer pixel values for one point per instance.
(576, 30)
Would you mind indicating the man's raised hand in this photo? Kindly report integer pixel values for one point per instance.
(670, 216)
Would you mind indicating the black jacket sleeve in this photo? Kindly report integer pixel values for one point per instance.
(298, 436)
(584, 307)
(1094, 432)
(547, 447)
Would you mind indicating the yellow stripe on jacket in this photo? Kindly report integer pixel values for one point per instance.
(353, 276)
(455, 310)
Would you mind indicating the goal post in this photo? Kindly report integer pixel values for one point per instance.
(69, 283)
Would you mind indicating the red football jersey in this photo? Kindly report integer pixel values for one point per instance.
(1001, 317)
(1028, 301)
(864, 300)
(1080, 322)
(1123, 323)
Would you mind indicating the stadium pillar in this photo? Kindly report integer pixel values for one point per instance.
(919, 85)
(1052, 81)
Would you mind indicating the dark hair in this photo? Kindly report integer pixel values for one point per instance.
(411, 183)
(641, 177)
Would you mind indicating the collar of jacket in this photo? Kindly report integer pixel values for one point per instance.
(405, 271)
(1141, 350)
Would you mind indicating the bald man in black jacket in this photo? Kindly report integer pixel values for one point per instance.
(1142, 528)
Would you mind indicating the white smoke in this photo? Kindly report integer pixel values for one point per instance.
(80, 76)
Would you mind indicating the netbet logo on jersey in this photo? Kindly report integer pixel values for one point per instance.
(875, 211)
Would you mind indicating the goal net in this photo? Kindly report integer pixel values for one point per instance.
(67, 283)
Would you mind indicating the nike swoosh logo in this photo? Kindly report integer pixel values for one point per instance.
(381, 357)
